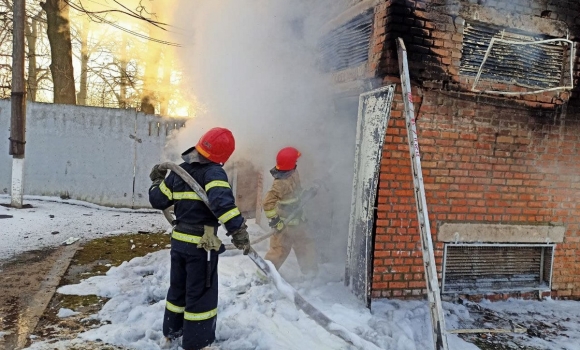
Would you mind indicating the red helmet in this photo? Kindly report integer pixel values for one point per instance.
(217, 145)
(287, 158)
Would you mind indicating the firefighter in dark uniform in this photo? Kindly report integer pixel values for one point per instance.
(191, 305)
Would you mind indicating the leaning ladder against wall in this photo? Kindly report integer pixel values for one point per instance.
(435, 305)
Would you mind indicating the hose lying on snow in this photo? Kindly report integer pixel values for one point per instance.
(267, 267)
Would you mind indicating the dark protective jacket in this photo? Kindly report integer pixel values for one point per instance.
(192, 298)
(188, 207)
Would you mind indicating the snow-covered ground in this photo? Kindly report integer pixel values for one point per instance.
(52, 220)
(252, 314)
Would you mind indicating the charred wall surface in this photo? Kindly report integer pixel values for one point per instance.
(444, 38)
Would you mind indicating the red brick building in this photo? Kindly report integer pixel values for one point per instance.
(499, 132)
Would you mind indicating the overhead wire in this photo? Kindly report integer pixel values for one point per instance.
(95, 14)
(91, 13)
(178, 30)
(128, 12)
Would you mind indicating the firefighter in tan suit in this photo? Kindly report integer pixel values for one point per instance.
(281, 200)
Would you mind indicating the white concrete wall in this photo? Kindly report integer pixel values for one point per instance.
(152, 134)
(87, 153)
(5, 159)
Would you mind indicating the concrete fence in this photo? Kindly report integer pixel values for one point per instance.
(98, 155)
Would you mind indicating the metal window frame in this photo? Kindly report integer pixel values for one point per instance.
(500, 245)
(571, 45)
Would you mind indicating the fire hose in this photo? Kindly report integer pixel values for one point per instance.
(284, 287)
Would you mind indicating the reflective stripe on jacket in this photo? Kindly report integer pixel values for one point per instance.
(188, 207)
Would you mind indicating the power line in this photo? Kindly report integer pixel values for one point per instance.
(143, 36)
(128, 12)
(94, 14)
(166, 24)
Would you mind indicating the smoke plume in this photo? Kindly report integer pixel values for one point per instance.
(254, 68)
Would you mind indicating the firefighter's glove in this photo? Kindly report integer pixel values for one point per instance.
(276, 223)
(209, 241)
(157, 175)
(241, 239)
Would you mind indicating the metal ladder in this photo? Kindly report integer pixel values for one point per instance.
(435, 306)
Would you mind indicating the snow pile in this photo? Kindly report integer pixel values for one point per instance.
(63, 313)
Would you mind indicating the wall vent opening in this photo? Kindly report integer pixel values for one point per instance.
(477, 268)
(348, 45)
(536, 62)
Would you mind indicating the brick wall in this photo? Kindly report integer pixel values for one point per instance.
(483, 161)
(485, 158)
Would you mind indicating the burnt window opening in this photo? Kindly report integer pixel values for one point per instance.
(476, 268)
(348, 45)
(534, 66)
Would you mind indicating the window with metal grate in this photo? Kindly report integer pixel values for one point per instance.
(348, 45)
(530, 61)
(476, 268)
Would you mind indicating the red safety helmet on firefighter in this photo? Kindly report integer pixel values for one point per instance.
(217, 145)
(287, 158)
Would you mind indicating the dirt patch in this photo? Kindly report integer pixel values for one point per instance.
(98, 256)
(20, 278)
(522, 328)
(495, 342)
(94, 258)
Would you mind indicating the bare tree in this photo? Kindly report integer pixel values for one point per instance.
(38, 78)
(5, 48)
(84, 57)
(124, 63)
(32, 29)
(149, 98)
(61, 67)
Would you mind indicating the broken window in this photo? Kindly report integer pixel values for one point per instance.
(535, 62)
(348, 45)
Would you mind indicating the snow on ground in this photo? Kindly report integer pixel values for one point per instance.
(53, 220)
(252, 313)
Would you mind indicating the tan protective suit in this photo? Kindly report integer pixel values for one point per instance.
(282, 198)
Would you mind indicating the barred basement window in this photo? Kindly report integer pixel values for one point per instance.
(476, 268)
(348, 45)
(536, 62)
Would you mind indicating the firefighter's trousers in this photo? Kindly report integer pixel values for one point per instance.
(191, 307)
(293, 237)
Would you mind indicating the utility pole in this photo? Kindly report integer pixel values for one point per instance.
(18, 105)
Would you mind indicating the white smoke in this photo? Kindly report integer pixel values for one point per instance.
(253, 66)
